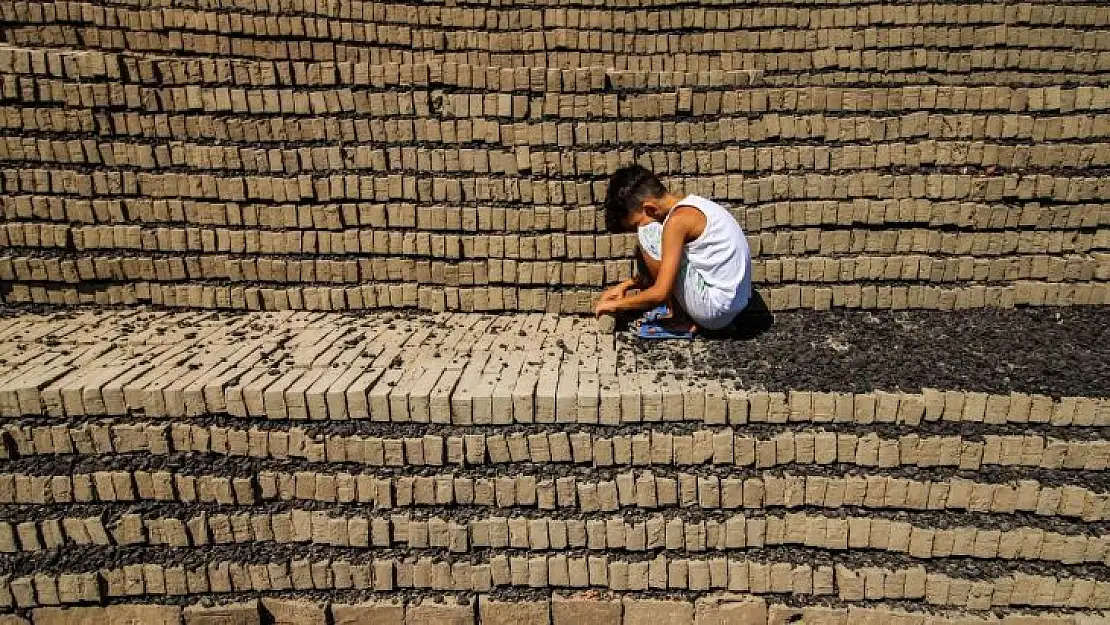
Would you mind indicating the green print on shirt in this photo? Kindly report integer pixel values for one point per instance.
(684, 267)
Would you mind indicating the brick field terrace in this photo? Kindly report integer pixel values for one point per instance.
(294, 314)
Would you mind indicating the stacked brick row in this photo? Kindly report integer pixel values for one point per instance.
(517, 459)
(782, 36)
(651, 448)
(484, 609)
(372, 155)
(523, 534)
(644, 490)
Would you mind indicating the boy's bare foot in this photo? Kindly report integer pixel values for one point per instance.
(676, 325)
(677, 321)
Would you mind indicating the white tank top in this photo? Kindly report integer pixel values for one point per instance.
(720, 255)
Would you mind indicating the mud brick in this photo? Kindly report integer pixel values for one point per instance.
(801, 405)
(131, 613)
(1086, 411)
(996, 409)
(1041, 409)
(849, 584)
(293, 611)
(974, 408)
(246, 613)
(524, 613)
(757, 405)
(644, 611)
(935, 404)
(864, 408)
(426, 613)
(738, 406)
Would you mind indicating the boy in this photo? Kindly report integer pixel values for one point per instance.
(694, 255)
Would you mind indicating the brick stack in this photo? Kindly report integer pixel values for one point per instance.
(268, 460)
(372, 155)
(362, 467)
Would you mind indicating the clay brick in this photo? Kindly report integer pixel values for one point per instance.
(246, 613)
(367, 614)
(645, 611)
(513, 612)
(154, 614)
(428, 613)
(728, 609)
(293, 611)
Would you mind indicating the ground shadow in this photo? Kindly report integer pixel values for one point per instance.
(754, 321)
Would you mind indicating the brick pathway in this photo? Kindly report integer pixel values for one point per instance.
(510, 454)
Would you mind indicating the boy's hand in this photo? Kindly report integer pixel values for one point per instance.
(617, 292)
(614, 292)
(606, 307)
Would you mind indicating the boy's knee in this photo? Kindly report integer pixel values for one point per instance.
(646, 264)
(651, 241)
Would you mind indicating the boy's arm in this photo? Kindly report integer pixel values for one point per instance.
(639, 281)
(675, 235)
(636, 282)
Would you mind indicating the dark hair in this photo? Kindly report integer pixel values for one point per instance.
(628, 188)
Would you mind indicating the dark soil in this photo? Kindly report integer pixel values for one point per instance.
(239, 466)
(1050, 351)
(110, 513)
(971, 431)
(87, 558)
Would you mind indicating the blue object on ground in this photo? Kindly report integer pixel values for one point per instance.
(656, 313)
(655, 330)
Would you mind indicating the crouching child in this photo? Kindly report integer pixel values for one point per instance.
(695, 267)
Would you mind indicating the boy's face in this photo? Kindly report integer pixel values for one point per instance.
(655, 208)
(651, 209)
